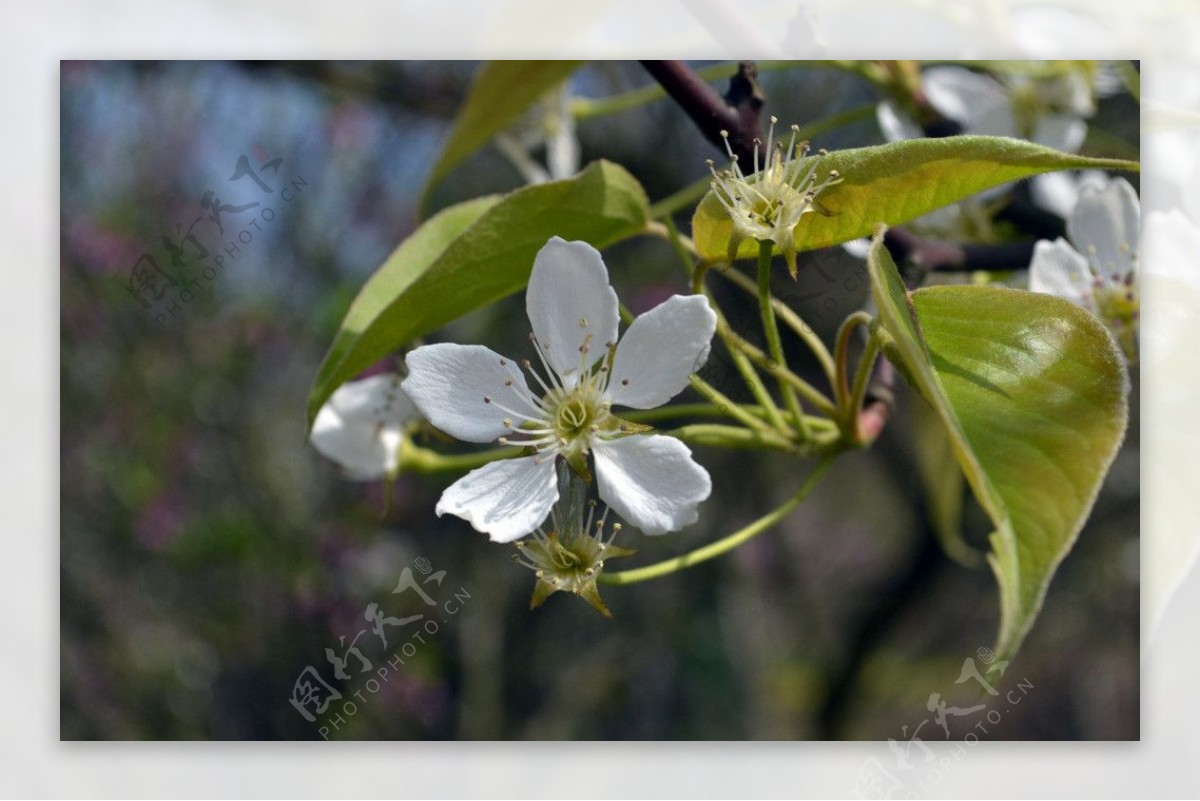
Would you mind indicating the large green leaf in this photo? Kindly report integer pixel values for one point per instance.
(895, 183)
(470, 255)
(1032, 391)
(502, 90)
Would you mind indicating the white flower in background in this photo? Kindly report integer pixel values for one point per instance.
(548, 122)
(1058, 192)
(767, 205)
(361, 426)
(1045, 110)
(1048, 111)
(477, 395)
(1098, 268)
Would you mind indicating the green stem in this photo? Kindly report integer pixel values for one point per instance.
(709, 410)
(676, 410)
(422, 460)
(756, 356)
(681, 199)
(627, 316)
(757, 388)
(585, 108)
(865, 363)
(834, 121)
(774, 343)
(722, 436)
(841, 349)
(722, 545)
(793, 321)
(727, 406)
(679, 243)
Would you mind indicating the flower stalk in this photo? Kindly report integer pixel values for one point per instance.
(725, 544)
(774, 343)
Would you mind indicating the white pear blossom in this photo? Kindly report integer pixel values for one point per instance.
(767, 205)
(477, 395)
(1098, 268)
(1058, 192)
(1049, 111)
(361, 426)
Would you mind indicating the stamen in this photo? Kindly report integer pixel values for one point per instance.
(537, 377)
(553, 375)
(515, 413)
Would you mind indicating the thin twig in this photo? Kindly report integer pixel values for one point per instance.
(737, 112)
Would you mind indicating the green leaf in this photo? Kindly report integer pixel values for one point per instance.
(895, 183)
(473, 254)
(1032, 391)
(502, 90)
(942, 480)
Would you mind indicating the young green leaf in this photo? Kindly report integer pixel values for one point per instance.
(502, 90)
(895, 183)
(942, 481)
(1032, 391)
(470, 255)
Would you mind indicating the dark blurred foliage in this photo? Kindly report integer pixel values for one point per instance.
(209, 555)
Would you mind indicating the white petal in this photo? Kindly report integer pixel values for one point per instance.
(569, 302)
(995, 120)
(1058, 192)
(895, 124)
(858, 248)
(651, 481)
(505, 500)
(1061, 132)
(660, 350)
(964, 96)
(461, 390)
(1105, 227)
(359, 426)
(1057, 269)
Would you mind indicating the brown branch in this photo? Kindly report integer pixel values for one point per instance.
(737, 112)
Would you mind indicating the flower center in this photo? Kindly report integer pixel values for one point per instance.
(769, 202)
(576, 413)
(570, 556)
(565, 419)
(1117, 304)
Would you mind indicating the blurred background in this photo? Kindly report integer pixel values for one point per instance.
(209, 556)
